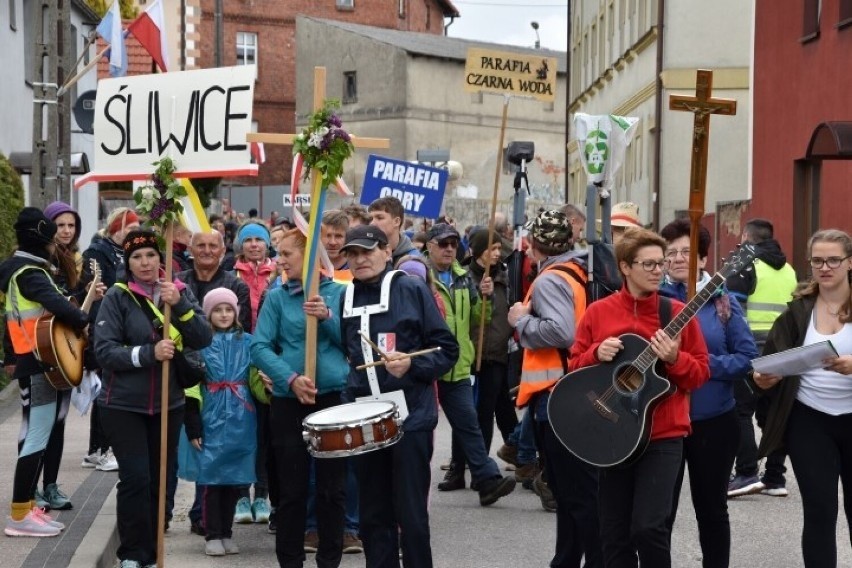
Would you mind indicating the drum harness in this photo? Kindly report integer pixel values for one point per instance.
(364, 312)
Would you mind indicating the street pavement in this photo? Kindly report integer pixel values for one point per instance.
(515, 531)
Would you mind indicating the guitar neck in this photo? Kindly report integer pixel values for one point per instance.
(648, 358)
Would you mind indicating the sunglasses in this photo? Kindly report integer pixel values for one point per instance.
(450, 243)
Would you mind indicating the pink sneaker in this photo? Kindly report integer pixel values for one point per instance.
(31, 525)
(42, 514)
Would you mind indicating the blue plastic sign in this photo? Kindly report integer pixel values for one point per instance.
(420, 188)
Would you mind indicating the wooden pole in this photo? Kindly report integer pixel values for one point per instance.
(491, 226)
(73, 80)
(312, 289)
(164, 410)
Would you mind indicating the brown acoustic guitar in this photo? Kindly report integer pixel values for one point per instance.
(59, 347)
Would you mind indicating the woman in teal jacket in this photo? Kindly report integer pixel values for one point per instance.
(278, 349)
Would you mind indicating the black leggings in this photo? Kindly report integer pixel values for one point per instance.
(820, 448)
(56, 443)
(709, 452)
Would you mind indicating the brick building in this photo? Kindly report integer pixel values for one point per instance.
(263, 32)
(802, 140)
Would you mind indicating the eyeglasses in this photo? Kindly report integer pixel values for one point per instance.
(831, 262)
(672, 254)
(448, 244)
(650, 265)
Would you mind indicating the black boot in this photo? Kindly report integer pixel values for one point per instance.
(453, 479)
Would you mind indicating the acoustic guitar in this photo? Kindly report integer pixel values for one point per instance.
(603, 413)
(60, 348)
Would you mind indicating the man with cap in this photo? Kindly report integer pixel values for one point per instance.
(399, 314)
(464, 308)
(545, 323)
(27, 280)
(253, 265)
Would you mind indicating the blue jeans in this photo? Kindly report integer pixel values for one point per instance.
(523, 438)
(351, 524)
(456, 399)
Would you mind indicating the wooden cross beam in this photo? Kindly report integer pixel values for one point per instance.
(702, 105)
(317, 194)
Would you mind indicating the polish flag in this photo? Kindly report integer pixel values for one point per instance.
(150, 29)
(258, 152)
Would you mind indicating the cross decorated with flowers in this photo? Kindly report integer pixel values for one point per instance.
(320, 151)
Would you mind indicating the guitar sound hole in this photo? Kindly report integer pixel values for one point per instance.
(628, 380)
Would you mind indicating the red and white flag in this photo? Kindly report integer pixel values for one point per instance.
(258, 152)
(150, 29)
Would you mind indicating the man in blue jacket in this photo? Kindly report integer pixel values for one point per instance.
(398, 313)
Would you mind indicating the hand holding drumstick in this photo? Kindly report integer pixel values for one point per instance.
(396, 363)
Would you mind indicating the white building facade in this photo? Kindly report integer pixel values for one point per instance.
(627, 57)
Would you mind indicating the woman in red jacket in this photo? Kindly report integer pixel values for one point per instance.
(636, 499)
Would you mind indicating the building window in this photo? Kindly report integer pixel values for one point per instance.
(810, 20)
(13, 17)
(345, 4)
(401, 8)
(845, 18)
(247, 49)
(350, 87)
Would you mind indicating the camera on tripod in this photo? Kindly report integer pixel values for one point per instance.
(519, 154)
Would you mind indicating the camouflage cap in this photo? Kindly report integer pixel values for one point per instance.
(552, 229)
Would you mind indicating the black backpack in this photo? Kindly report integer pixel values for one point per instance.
(604, 278)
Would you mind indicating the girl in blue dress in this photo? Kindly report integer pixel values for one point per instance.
(221, 423)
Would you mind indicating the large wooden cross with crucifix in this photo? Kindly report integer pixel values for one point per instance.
(317, 200)
(702, 105)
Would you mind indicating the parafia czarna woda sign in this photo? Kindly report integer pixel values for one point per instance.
(510, 73)
(198, 118)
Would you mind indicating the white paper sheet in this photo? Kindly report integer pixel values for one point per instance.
(795, 361)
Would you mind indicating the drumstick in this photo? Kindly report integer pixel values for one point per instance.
(375, 347)
(402, 356)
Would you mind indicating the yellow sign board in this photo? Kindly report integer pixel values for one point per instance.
(510, 73)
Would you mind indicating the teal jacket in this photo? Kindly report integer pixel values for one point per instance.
(278, 342)
(464, 309)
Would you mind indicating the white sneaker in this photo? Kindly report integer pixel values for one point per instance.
(107, 462)
(229, 546)
(31, 525)
(91, 461)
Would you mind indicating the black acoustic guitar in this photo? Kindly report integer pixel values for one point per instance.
(603, 413)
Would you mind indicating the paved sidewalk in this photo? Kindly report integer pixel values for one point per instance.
(87, 488)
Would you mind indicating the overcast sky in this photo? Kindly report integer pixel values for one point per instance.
(508, 22)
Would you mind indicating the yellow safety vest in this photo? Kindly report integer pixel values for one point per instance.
(774, 288)
(23, 313)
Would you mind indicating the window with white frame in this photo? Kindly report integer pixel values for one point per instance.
(345, 4)
(247, 49)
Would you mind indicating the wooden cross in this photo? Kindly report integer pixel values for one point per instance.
(702, 105)
(317, 200)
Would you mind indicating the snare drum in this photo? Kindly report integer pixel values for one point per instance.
(351, 429)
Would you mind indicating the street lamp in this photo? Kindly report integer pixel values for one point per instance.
(537, 39)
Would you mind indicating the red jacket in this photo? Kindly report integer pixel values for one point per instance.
(623, 313)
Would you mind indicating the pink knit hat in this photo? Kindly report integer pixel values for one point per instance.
(218, 296)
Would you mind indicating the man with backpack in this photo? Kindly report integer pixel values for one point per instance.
(545, 323)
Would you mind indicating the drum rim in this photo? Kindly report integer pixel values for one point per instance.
(363, 449)
(373, 419)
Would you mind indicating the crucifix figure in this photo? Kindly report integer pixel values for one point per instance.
(702, 105)
(318, 192)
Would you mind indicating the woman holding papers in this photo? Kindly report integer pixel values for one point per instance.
(710, 449)
(811, 413)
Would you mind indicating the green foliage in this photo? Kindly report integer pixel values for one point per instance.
(129, 10)
(323, 144)
(12, 198)
(160, 199)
